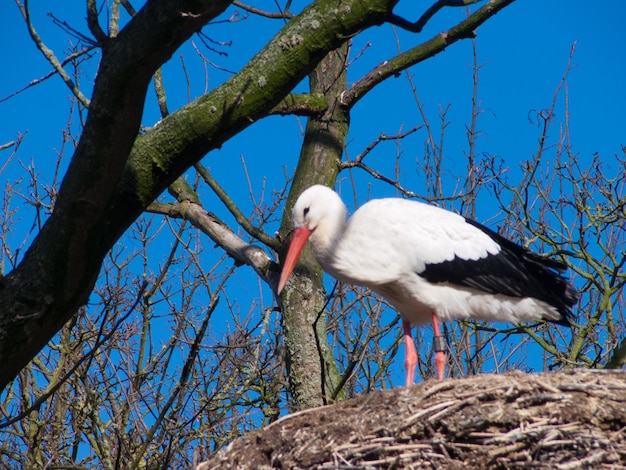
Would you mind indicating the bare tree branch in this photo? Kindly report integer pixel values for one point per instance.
(49, 55)
(430, 48)
(427, 15)
(241, 251)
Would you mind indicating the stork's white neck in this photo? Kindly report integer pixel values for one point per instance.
(327, 234)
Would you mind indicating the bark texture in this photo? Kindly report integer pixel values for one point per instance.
(304, 320)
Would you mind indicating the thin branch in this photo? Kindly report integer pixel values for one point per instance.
(52, 73)
(7, 145)
(207, 41)
(49, 55)
(417, 26)
(267, 14)
(381, 138)
(182, 381)
(65, 26)
(14, 143)
(358, 161)
(234, 210)
(389, 68)
(103, 339)
(241, 251)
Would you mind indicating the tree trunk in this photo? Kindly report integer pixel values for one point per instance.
(312, 371)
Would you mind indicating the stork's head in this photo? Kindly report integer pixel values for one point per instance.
(317, 213)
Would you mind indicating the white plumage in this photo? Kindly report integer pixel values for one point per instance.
(427, 262)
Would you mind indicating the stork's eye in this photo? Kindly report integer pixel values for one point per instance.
(306, 211)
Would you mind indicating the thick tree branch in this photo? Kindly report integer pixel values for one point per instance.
(301, 104)
(181, 139)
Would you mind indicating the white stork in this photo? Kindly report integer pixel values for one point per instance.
(429, 264)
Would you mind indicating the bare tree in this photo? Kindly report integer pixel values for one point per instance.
(112, 354)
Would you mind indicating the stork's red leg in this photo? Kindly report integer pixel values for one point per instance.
(440, 349)
(410, 360)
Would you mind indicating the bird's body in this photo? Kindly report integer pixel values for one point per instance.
(428, 261)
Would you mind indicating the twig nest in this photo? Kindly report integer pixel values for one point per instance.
(561, 420)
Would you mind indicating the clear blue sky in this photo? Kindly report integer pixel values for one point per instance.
(524, 51)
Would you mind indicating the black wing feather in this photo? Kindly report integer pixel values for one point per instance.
(515, 271)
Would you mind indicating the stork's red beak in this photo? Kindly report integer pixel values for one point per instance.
(298, 240)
